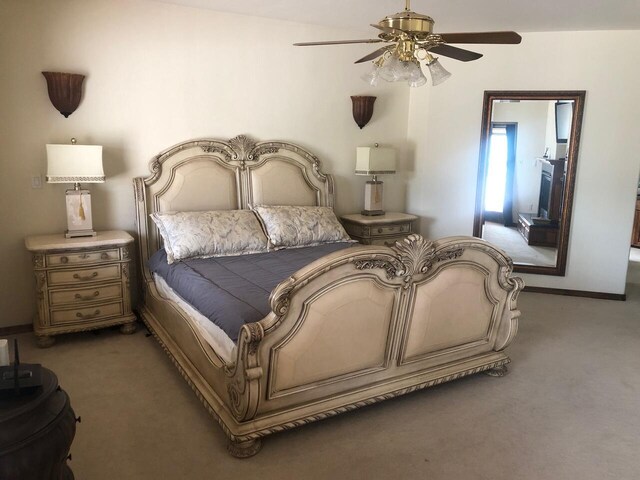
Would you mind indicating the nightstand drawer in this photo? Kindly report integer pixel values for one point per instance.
(83, 295)
(84, 275)
(389, 230)
(387, 242)
(78, 258)
(80, 315)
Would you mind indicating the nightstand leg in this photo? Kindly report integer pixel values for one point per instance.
(128, 328)
(45, 341)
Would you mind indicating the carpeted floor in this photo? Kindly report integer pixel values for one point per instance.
(510, 240)
(569, 409)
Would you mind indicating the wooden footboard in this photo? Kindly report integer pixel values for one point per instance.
(369, 323)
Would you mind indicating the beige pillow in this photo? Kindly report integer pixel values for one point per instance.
(210, 234)
(294, 226)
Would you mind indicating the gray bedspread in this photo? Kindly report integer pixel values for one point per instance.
(232, 291)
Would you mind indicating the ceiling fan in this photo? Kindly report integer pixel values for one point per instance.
(410, 39)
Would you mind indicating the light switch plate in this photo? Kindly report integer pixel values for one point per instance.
(36, 181)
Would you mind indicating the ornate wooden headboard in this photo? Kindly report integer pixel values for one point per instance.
(226, 175)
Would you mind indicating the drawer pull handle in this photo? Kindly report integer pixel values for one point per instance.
(380, 230)
(87, 297)
(87, 278)
(104, 256)
(64, 259)
(88, 315)
(84, 256)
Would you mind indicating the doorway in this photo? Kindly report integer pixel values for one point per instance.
(498, 195)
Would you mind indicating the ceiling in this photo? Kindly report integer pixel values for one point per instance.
(450, 15)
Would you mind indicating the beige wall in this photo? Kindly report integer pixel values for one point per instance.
(159, 74)
(444, 126)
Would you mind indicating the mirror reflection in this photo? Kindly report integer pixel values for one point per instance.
(525, 184)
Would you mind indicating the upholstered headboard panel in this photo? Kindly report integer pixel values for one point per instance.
(277, 181)
(226, 175)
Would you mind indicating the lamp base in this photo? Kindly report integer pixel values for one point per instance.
(372, 213)
(80, 233)
(79, 221)
(373, 198)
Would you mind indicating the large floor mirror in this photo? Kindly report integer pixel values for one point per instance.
(526, 175)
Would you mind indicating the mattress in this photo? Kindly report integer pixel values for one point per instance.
(232, 291)
(224, 347)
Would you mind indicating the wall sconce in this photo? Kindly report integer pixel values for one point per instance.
(65, 91)
(362, 109)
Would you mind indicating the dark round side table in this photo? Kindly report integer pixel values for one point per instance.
(36, 431)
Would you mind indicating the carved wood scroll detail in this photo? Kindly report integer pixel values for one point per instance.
(41, 284)
(215, 149)
(241, 148)
(414, 254)
(391, 268)
(279, 300)
(38, 260)
(244, 385)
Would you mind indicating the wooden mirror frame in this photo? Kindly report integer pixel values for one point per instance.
(578, 96)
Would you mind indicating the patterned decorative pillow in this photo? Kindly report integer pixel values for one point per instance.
(293, 226)
(217, 233)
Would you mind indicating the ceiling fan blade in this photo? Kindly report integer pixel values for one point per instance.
(482, 37)
(375, 54)
(455, 52)
(337, 42)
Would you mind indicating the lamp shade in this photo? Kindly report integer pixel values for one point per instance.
(375, 160)
(438, 73)
(74, 164)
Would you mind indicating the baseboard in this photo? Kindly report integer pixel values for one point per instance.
(16, 329)
(577, 293)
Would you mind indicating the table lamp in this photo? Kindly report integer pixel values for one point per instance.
(374, 161)
(74, 164)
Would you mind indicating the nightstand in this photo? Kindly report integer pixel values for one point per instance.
(82, 283)
(384, 229)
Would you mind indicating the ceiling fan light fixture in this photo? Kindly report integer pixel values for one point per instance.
(372, 76)
(408, 38)
(438, 73)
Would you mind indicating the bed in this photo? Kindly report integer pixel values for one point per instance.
(354, 327)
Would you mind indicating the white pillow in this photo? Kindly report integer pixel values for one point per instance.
(293, 226)
(207, 234)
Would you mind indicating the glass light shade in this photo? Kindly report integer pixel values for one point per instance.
(389, 71)
(417, 78)
(372, 76)
(74, 164)
(375, 160)
(404, 70)
(438, 72)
